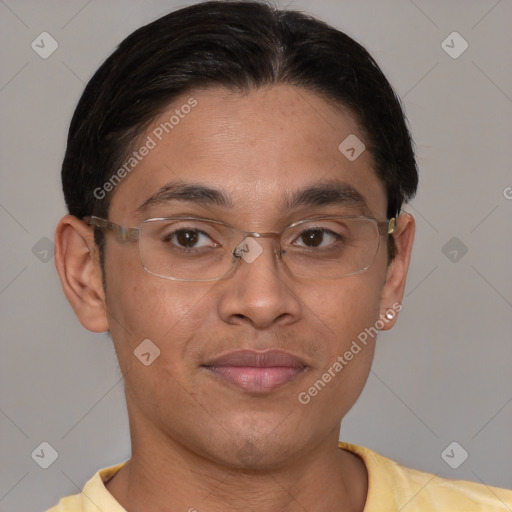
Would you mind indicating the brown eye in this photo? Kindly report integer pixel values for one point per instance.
(316, 237)
(189, 238)
(312, 238)
(186, 238)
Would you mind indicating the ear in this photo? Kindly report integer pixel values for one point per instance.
(394, 287)
(77, 263)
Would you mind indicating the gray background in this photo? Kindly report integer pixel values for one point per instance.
(442, 375)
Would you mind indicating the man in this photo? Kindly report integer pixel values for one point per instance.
(234, 177)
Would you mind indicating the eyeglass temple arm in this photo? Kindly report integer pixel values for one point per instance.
(123, 234)
(126, 234)
(388, 227)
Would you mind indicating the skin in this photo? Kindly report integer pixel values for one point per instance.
(198, 442)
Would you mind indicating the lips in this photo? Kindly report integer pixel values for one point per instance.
(256, 372)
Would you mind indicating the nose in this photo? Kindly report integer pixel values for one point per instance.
(260, 292)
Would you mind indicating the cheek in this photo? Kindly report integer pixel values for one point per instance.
(141, 306)
(347, 306)
(169, 315)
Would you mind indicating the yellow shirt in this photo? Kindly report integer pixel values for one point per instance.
(391, 488)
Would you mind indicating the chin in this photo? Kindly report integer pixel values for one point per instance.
(259, 449)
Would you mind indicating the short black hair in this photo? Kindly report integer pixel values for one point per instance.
(242, 46)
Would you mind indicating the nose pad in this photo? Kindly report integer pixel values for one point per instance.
(249, 249)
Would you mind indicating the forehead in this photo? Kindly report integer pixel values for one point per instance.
(258, 148)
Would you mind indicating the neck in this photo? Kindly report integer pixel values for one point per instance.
(167, 476)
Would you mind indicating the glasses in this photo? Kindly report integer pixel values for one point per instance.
(197, 249)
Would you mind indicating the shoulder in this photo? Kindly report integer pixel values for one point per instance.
(68, 504)
(95, 493)
(398, 486)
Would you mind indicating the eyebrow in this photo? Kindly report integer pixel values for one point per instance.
(193, 192)
(324, 194)
(321, 194)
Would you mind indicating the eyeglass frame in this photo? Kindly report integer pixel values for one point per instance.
(124, 234)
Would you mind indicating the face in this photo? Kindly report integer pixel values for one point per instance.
(257, 149)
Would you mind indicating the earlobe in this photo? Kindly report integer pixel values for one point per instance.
(77, 263)
(396, 276)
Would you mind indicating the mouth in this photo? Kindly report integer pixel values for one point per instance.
(256, 372)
